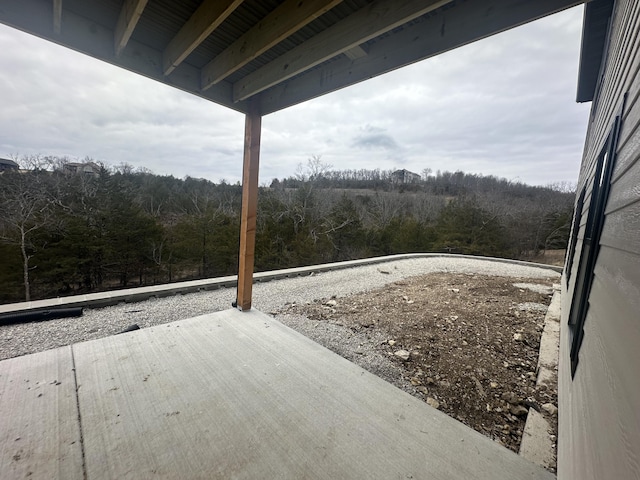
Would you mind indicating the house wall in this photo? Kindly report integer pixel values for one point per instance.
(599, 423)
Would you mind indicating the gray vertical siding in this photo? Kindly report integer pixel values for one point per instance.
(599, 423)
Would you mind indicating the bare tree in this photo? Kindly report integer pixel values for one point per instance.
(385, 207)
(34, 163)
(563, 187)
(25, 209)
(314, 170)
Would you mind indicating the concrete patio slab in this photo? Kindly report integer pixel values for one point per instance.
(39, 424)
(239, 395)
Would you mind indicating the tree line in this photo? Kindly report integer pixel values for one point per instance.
(64, 232)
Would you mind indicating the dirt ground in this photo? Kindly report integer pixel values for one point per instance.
(466, 344)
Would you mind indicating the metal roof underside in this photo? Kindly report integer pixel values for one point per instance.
(597, 16)
(268, 52)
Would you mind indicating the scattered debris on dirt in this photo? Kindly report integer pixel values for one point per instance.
(465, 344)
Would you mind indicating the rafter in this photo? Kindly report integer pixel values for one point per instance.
(288, 18)
(359, 27)
(202, 23)
(129, 16)
(57, 16)
(444, 29)
(357, 52)
(453, 28)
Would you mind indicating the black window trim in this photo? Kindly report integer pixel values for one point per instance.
(575, 229)
(591, 241)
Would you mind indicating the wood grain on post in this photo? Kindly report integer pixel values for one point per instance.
(252, 130)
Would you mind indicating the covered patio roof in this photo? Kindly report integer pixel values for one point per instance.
(275, 52)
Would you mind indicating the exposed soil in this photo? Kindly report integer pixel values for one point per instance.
(466, 344)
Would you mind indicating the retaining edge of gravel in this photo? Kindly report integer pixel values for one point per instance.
(537, 445)
(138, 294)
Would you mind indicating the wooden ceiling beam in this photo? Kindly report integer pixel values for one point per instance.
(357, 52)
(57, 16)
(129, 15)
(375, 19)
(209, 15)
(285, 20)
(95, 40)
(452, 28)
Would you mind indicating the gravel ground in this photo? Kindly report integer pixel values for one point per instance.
(269, 297)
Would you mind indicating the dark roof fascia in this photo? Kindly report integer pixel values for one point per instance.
(597, 15)
(6, 161)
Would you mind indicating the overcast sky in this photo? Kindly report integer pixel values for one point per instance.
(502, 106)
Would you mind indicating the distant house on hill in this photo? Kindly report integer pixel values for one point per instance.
(405, 176)
(6, 165)
(84, 168)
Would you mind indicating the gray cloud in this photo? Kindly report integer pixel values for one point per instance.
(502, 106)
(374, 138)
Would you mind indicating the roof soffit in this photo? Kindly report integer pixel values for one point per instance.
(276, 53)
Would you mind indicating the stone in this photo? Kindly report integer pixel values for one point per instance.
(433, 402)
(130, 328)
(331, 303)
(518, 337)
(530, 306)
(415, 381)
(550, 408)
(518, 410)
(402, 355)
(391, 342)
(511, 398)
(536, 446)
(493, 384)
(429, 381)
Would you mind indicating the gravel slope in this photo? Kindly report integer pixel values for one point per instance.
(16, 340)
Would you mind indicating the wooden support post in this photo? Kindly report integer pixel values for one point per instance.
(252, 130)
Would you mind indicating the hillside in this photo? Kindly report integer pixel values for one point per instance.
(66, 230)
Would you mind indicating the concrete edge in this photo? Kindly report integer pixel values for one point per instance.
(138, 294)
(547, 368)
(537, 445)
